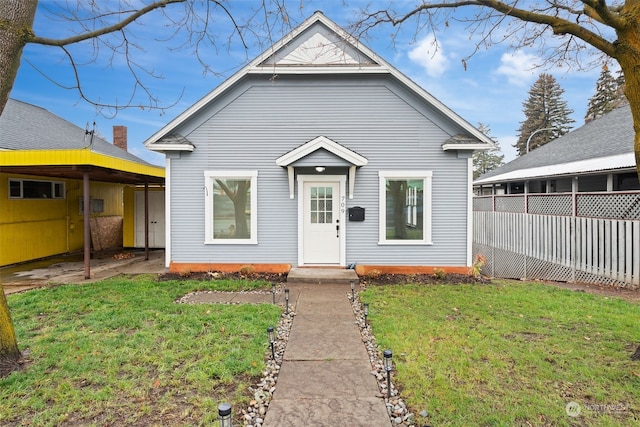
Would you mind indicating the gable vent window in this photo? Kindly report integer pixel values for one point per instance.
(35, 189)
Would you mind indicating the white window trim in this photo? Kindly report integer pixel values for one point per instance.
(61, 185)
(426, 176)
(209, 176)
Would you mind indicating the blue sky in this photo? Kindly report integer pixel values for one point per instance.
(490, 90)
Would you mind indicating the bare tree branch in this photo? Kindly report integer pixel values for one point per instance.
(135, 14)
(559, 25)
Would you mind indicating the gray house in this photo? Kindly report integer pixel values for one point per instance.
(318, 153)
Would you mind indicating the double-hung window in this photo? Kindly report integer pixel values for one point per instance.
(231, 207)
(405, 207)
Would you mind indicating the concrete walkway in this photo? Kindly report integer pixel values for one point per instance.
(325, 378)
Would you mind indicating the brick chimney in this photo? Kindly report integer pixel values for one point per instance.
(120, 137)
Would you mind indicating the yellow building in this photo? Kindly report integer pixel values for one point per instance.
(63, 189)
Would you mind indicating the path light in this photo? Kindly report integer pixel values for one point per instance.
(273, 292)
(286, 298)
(272, 340)
(388, 365)
(366, 312)
(353, 288)
(224, 414)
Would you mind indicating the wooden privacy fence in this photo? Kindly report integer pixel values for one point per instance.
(569, 237)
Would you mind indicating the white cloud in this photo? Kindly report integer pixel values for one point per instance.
(519, 67)
(429, 55)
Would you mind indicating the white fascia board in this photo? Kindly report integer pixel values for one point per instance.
(306, 70)
(446, 147)
(619, 161)
(170, 147)
(316, 144)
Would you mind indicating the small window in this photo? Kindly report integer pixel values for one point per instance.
(626, 182)
(35, 189)
(405, 207)
(95, 205)
(231, 207)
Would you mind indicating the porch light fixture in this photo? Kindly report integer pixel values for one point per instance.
(286, 298)
(320, 169)
(353, 289)
(272, 341)
(273, 292)
(365, 310)
(387, 361)
(224, 415)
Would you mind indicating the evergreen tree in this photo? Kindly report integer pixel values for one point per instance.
(609, 94)
(487, 160)
(546, 115)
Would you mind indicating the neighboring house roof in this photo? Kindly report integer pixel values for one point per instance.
(37, 142)
(317, 46)
(602, 144)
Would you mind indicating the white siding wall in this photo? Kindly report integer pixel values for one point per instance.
(261, 120)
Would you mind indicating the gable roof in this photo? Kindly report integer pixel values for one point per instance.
(321, 143)
(37, 142)
(602, 144)
(317, 46)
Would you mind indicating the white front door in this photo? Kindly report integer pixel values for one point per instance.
(322, 220)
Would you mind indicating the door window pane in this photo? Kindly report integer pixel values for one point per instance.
(321, 206)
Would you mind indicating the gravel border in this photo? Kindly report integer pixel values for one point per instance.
(399, 414)
(253, 415)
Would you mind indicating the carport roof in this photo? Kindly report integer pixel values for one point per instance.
(34, 141)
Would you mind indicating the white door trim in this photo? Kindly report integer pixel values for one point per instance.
(341, 179)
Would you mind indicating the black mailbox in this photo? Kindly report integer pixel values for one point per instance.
(356, 213)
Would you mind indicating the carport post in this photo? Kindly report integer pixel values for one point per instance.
(86, 205)
(146, 220)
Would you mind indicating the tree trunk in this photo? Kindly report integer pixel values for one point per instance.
(16, 21)
(9, 353)
(628, 56)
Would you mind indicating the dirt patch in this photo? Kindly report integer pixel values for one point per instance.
(422, 279)
(218, 275)
(629, 294)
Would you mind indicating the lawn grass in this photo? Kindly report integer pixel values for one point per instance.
(510, 353)
(122, 352)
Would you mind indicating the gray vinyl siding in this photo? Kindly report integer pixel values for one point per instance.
(260, 120)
